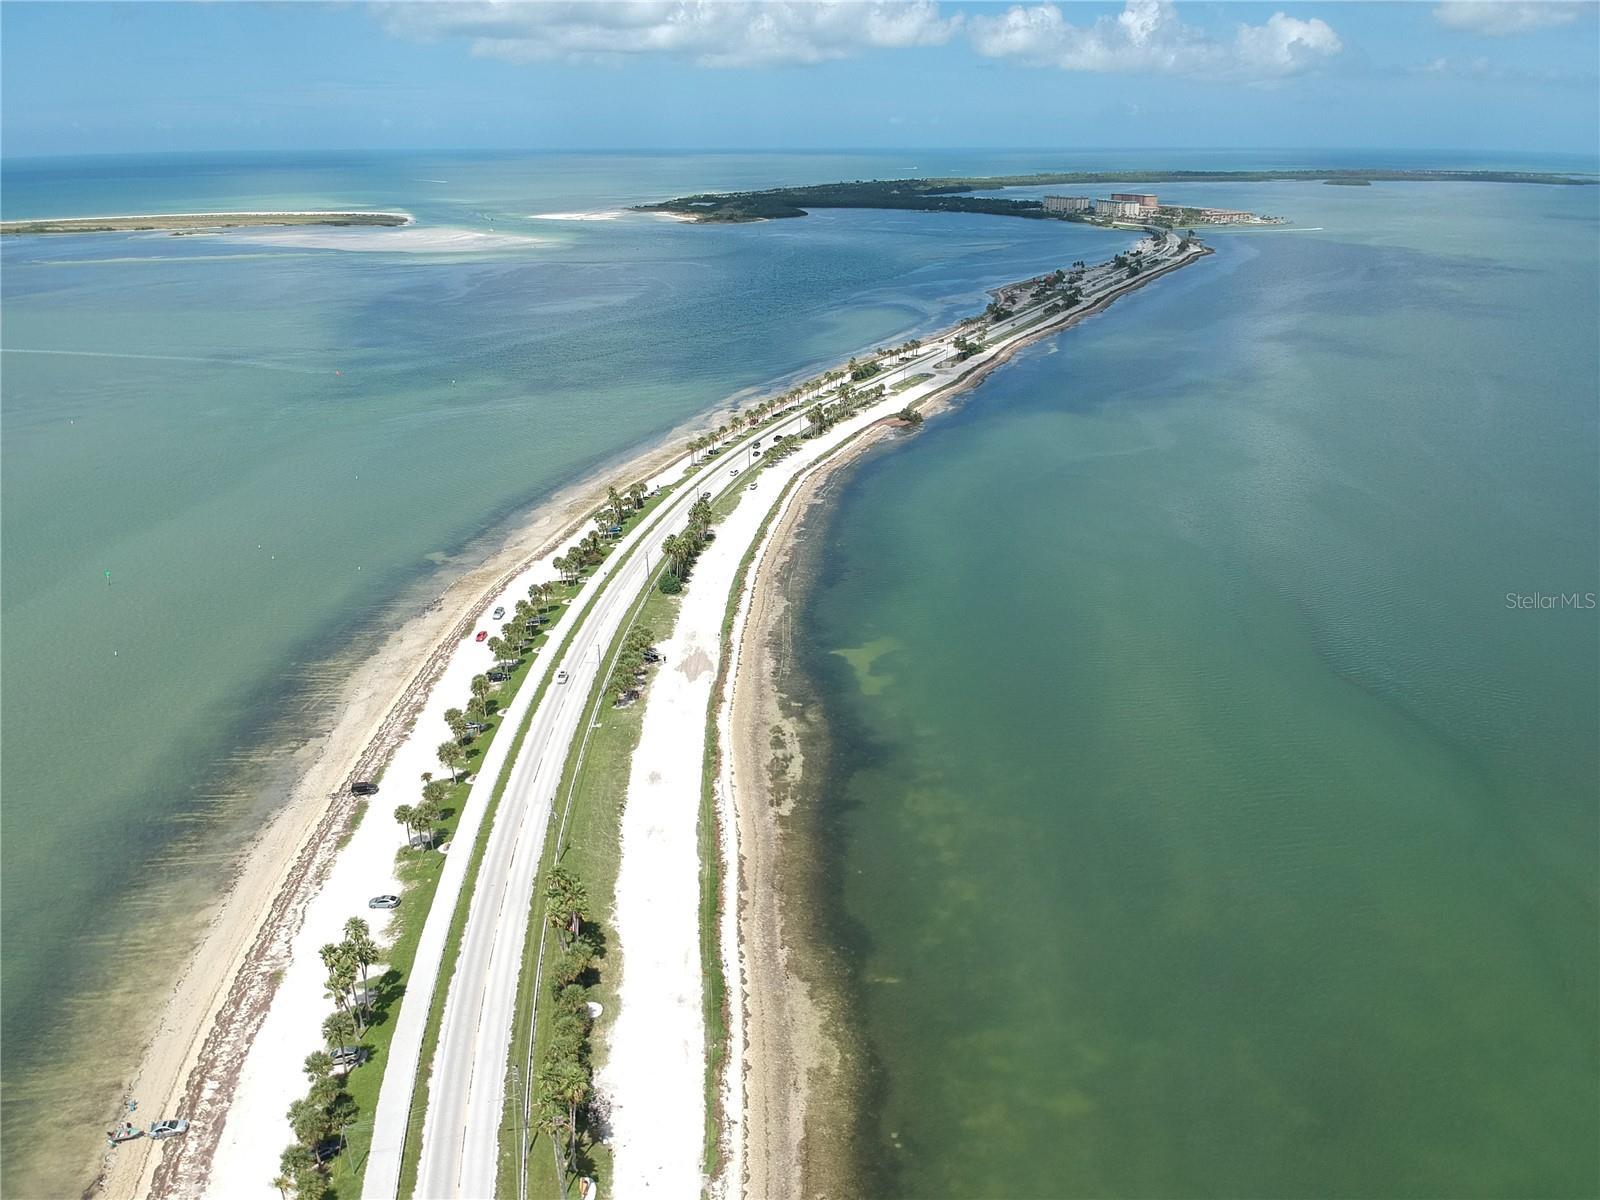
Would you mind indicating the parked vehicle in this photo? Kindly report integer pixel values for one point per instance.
(751, 488)
(498, 613)
(346, 1056)
(167, 1129)
(387, 900)
(363, 787)
(483, 635)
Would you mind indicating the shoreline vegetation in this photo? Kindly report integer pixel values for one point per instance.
(953, 194)
(789, 1030)
(190, 1068)
(193, 222)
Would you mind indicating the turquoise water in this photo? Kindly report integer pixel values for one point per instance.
(231, 467)
(1199, 819)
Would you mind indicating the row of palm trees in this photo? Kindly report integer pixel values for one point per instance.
(681, 549)
(564, 1082)
(326, 1111)
(627, 675)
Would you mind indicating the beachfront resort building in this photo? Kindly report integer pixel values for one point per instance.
(1067, 204)
(1143, 199)
(1118, 208)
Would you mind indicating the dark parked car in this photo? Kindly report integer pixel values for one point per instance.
(363, 787)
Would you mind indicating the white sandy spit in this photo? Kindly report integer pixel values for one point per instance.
(408, 239)
(608, 215)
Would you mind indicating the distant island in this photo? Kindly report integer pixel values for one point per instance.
(184, 222)
(954, 194)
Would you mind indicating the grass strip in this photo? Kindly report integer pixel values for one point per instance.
(411, 1153)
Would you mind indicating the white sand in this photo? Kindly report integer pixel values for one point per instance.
(607, 215)
(405, 239)
(256, 1129)
(655, 1073)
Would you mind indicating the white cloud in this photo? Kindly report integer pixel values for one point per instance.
(1500, 18)
(714, 33)
(1147, 36)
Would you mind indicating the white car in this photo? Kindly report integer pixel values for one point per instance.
(167, 1129)
(561, 676)
(733, 472)
(751, 488)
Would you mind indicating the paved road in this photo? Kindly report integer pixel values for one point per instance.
(461, 1130)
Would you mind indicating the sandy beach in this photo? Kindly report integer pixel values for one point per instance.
(786, 1043)
(287, 897)
(244, 1013)
(212, 220)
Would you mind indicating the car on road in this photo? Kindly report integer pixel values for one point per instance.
(498, 613)
(364, 787)
(733, 472)
(387, 900)
(561, 676)
(482, 634)
(705, 495)
(167, 1129)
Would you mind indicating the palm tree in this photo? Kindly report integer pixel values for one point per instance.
(317, 1065)
(457, 723)
(482, 685)
(567, 1083)
(295, 1160)
(614, 501)
(550, 1118)
(341, 984)
(477, 710)
(339, 1029)
(636, 494)
(450, 756)
(426, 814)
(309, 1123)
(567, 904)
(405, 814)
(281, 1181)
(358, 937)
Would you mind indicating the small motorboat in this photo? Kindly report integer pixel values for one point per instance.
(125, 1132)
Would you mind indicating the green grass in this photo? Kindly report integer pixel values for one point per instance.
(419, 872)
(910, 381)
(595, 778)
(411, 1153)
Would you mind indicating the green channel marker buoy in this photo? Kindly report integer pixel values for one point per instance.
(108, 578)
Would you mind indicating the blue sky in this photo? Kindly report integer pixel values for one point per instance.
(143, 77)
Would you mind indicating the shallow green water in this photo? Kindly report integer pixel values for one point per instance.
(278, 454)
(1201, 819)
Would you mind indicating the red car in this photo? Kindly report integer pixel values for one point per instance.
(482, 634)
